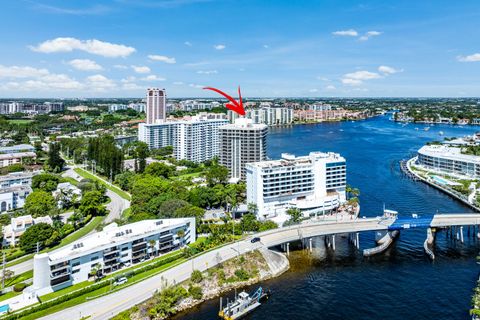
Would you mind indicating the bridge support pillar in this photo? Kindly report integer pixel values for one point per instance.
(333, 241)
(310, 244)
(461, 234)
(288, 248)
(357, 241)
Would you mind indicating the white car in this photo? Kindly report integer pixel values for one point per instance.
(120, 281)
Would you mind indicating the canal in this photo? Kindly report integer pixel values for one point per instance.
(400, 284)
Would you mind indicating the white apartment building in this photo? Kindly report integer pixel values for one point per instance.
(314, 184)
(195, 139)
(446, 159)
(111, 249)
(156, 103)
(18, 225)
(7, 159)
(271, 116)
(13, 197)
(240, 143)
(17, 179)
(192, 105)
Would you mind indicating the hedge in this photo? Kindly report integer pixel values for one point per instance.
(18, 287)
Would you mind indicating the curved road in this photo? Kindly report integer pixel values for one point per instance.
(115, 208)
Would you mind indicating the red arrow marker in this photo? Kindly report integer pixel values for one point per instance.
(234, 105)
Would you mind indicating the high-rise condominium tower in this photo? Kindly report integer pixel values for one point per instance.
(240, 143)
(156, 101)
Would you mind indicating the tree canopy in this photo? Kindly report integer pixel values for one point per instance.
(40, 203)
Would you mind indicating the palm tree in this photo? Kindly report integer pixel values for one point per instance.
(181, 234)
(152, 244)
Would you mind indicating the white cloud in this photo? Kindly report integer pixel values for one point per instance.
(388, 70)
(351, 82)
(362, 75)
(207, 71)
(313, 90)
(120, 66)
(346, 33)
(178, 83)
(36, 79)
(93, 46)
(153, 77)
(85, 64)
(99, 82)
(471, 58)
(156, 57)
(198, 86)
(141, 69)
(369, 34)
(188, 43)
(330, 88)
(357, 78)
(21, 72)
(128, 79)
(219, 46)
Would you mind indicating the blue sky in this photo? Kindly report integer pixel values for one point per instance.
(272, 48)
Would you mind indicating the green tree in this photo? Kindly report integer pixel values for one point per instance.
(159, 169)
(92, 204)
(295, 214)
(190, 211)
(40, 232)
(169, 207)
(249, 223)
(55, 161)
(45, 181)
(141, 154)
(39, 203)
(216, 174)
(125, 180)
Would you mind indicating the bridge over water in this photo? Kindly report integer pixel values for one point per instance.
(306, 231)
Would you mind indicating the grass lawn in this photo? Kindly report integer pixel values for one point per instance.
(9, 295)
(19, 278)
(71, 180)
(20, 121)
(187, 176)
(117, 190)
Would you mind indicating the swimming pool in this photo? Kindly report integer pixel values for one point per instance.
(4, 308)
(445, 181)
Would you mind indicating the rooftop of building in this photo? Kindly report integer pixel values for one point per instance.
(19, 188)
(17, 148)
(244, 124)
(288, 159)
(448, 152)
(18, 175)
(114, 234)
(4, 156)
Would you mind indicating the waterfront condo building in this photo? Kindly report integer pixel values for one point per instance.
(314, 184)
(156, 103)
(240, 143)
(271, 116)
(451, 160)
(194, 139)
(109, 250)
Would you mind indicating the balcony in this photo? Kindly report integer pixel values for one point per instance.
(59, 266)
(60, 280)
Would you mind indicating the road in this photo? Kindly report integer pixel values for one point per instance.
(115, 207)
(110, 305)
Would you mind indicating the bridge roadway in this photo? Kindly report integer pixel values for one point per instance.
(107, 306)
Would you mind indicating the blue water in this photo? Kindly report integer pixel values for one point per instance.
(400, 284)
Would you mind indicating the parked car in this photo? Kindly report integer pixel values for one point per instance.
(256, 239)
(120, 281)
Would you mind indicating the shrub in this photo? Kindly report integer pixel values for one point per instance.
(242, 274)
(195, 292)
(196, 276)
(18, 287)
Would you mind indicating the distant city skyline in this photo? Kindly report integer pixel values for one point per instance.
(119, 48)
